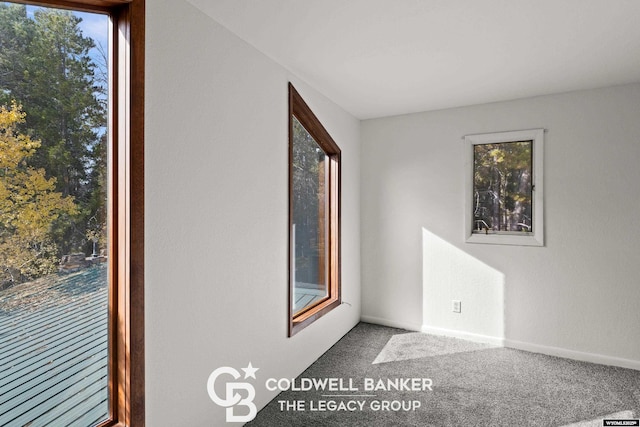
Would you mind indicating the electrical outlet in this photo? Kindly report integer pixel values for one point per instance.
(457, 306)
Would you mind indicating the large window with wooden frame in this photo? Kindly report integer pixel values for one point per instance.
(71, 212)
(314, 217)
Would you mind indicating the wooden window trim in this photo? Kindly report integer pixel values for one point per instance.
(128, 389)
(126, 252)
(107, 6)
(299, 108)
(127, 305)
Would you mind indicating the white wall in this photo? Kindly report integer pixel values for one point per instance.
(216, 216)
(578, 296)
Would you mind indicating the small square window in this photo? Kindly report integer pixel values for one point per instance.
(504, 189)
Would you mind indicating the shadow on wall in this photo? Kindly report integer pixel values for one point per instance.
(449, 274)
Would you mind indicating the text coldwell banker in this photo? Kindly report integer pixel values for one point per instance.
(346, 384)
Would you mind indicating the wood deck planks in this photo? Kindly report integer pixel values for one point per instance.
(306, 296)
(53, 351)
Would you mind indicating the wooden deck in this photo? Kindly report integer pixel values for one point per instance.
(53, 351)
(305, 296)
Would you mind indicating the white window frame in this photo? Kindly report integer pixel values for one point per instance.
(535, 238)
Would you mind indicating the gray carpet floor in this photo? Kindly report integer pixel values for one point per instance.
(473, 385)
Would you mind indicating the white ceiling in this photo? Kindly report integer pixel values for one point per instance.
(387, 57)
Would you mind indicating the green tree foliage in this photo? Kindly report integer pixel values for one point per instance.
(16, 34)
(45, 65)
(29, 205)
(502, 186)
(309, 194)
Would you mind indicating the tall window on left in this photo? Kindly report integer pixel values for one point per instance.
(55, 212)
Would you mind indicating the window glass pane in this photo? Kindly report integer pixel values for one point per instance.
(502, 188)
(54, 289)
(310, 220)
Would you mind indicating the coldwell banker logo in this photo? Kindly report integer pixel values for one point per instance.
(337, 394)
(237, 393)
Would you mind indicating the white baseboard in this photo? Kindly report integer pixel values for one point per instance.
(502, 342)
(575, 355)
(469, 336)
(390, 323)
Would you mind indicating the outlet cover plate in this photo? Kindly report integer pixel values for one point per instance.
(457, 306)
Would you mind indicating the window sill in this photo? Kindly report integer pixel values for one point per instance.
(308, 317)
(506, 239)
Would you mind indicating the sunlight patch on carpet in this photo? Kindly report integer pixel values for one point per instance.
(416, 345)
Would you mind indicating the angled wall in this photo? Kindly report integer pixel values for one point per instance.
(216, 216)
